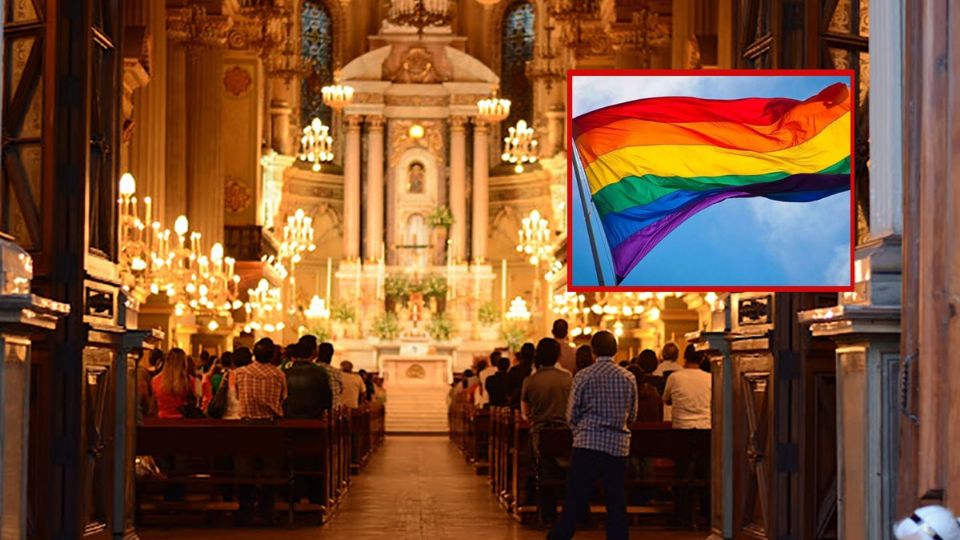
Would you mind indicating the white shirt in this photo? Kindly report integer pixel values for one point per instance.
(352, 388)
(688, 391)
(481, 397)
(665, 366)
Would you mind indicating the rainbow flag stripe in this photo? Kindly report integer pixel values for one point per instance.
(652, 163)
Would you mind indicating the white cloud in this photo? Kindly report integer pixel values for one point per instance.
(590, 92)
(838, 271)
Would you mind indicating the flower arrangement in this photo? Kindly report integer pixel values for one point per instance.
(441, 217)
(439, 328)
(386, 327)
(433, 287)
(488, 314)
(397, 288)
(514, 336)
(343, 313)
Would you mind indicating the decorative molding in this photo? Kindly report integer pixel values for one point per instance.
(375, 121)
(400, 140)
(467, 99)
(237, 80)
(416, 101)
(414, 63)
(458, 123)
(236, 196)
(193, 27)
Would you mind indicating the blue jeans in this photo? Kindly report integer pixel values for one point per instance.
(586, 466)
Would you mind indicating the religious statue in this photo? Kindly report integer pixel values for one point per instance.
(416, 308)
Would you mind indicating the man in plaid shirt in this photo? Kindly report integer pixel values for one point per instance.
(602, 405)
(261, 386)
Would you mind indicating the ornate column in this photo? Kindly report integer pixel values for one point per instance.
(147, 150)
(351, 189)
(374, 198)
(481, 171)
(458, 187)
(175, 143)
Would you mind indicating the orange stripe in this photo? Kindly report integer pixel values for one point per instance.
(796, 126)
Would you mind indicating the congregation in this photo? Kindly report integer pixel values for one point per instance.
(555, 385)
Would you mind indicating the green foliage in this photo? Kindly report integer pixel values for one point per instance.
(440, 217)
(397, 288)
(440, 328)
(320, 332)
(343, 313)
(514, 336)
(433, 286)
(386, 327)
(488, 313)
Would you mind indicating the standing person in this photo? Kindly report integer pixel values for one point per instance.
(568, 354)
(543, 401)
(353, 387)
(688, 392)
(261, 386)
(649, 386)
(146, 368)
(668, 360)
(496, 385)
(324, 356)
(519, 372)
(174, 387)
(379, 392)
(308, 386)
(482, 399)
(583, 358)
(602, 405)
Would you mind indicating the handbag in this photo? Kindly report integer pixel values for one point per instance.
(218, 405)
(190, 409)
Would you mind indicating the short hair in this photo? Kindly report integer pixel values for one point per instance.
(264, 350)
(691, 355)
(494, 357)
(300, 351)
(560, 328)
(481, 365)
(604, 343)
(309, 342)
(584, 357)
(548, 350)
(242, 357)
(325, 352)
(467, 373)
(503, 364)
(226, 359)
(346, 366)
(670, 351)
(647, 360)
(156, 357)
(527, 350)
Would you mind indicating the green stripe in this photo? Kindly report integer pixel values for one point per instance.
(634, 191)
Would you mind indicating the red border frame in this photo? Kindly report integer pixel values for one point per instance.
(704, 73)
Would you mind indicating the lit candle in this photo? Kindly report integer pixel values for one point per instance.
(148, 203)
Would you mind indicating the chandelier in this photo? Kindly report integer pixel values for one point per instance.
(217, 288)
(316, 145)
(519, 146)
(317, 310)
(297, 237)
(493, 109)
(534, 238)
(419, 14)
(518, 310)
(336, 95)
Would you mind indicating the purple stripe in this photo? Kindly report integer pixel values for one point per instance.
(796, 188)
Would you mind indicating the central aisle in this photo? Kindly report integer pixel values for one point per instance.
(414, 488)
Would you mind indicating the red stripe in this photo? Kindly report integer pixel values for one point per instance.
(752, 111)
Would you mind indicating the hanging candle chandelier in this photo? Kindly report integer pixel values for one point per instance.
(519, 146)
(493, 109)
(316, 145)
(337, 96)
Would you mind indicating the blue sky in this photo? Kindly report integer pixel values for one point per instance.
(753, 241)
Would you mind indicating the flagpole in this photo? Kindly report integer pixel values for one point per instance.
(585, 203)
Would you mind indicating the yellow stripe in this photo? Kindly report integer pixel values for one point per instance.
(688, 161)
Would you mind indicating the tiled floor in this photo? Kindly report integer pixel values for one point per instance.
(414, 488)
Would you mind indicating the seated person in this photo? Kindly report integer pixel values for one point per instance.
(308, 386)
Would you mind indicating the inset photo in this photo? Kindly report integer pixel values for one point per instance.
(714, 180)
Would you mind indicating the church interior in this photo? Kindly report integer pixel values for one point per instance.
(390, 176)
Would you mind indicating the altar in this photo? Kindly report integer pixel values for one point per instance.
(417, 371)
(417, 381)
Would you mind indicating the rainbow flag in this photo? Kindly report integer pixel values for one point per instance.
(650, 164)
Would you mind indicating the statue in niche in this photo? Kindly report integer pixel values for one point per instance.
(415, 177)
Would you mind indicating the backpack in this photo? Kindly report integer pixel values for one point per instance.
(218, 404)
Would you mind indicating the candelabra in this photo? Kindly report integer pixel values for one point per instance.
(419, 14)
(519, 146)
(337, 96)
(134, 237)
(217, 288)
(297, 237)
(493, 109)
(316, 145)
(264, 308)
(534, 238)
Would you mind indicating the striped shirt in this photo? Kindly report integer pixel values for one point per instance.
(336, 383)
(602, 405)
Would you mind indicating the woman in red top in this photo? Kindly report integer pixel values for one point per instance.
(173, 386)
